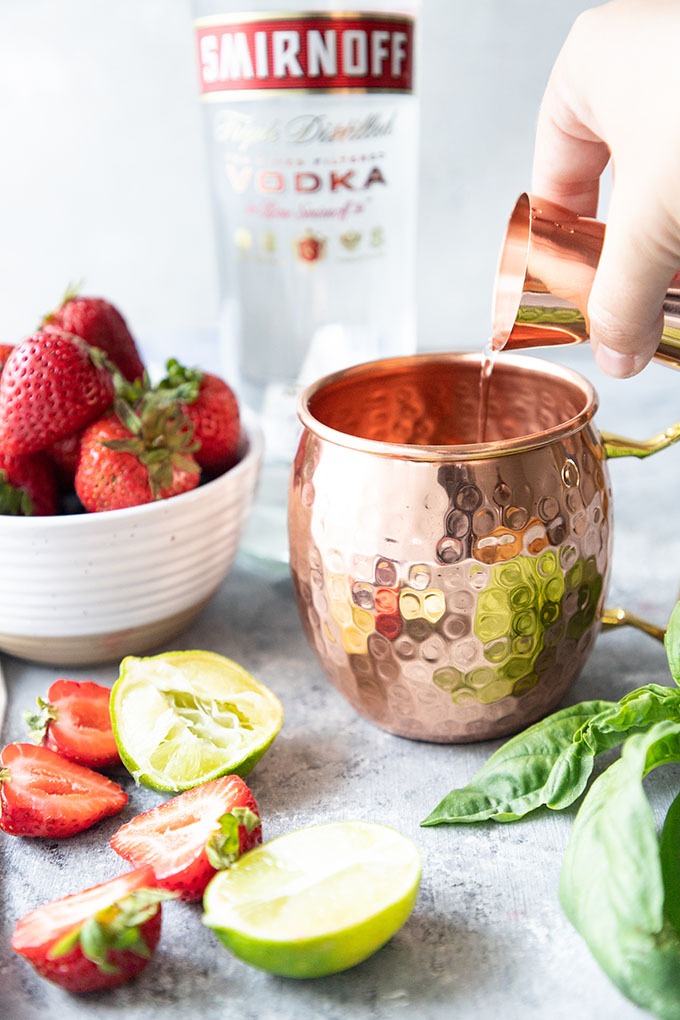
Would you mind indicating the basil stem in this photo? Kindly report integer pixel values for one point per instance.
(612, 880)
(549, 764)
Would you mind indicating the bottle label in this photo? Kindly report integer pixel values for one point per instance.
(302, 53)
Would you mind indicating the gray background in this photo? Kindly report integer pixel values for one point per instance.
(103, 174)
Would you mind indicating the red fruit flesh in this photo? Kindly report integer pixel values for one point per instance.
(80, 727)
(172, 837)
(44, 794)
(38, 933)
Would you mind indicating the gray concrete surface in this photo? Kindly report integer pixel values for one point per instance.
(487, 938)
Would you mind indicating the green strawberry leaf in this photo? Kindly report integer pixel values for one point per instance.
(114, 928)
(180, 384)
(14, 501)
(222, 849)
(38, 722)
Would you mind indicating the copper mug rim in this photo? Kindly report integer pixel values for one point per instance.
(403, 364)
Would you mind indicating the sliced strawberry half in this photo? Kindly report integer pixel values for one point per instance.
(45, 794)
(74, 720)
(97, 938)
(191, 836)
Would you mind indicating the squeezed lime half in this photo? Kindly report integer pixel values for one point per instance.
(183, 718)
(315, 901)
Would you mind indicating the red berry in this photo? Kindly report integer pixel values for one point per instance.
(28, 486)
(95, 939)
(101, 325)
(114, 468)
(188, 838)
(44, 794)
(74, 721)
(52, 385)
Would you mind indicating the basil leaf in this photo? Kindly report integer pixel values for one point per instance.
(669, 853)
(541, 765)
(549, 764)
(672, 643)
(612, 884)
(635, 713)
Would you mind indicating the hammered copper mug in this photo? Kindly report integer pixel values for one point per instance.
(453, 590)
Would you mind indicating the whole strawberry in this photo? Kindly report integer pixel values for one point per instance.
(134, 456)
(211, 406)
(101, 325)
(28, 486)
(52, 385)
(64, 456)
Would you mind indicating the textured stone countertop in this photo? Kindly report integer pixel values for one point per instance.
(487, 938)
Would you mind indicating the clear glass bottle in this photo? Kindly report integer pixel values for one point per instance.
(312, 134)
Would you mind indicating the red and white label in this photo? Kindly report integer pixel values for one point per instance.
(348, 52)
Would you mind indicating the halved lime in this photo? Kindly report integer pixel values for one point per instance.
(183, 718)
(315, 901)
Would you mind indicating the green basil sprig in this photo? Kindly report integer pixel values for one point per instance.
(619, 885)
(549, 764)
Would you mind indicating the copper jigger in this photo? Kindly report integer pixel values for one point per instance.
(546, 269)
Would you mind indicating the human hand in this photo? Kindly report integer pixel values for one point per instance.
(614, 92)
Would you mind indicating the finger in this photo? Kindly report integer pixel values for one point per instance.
(569, 153)
(625, 309)
(567, 165)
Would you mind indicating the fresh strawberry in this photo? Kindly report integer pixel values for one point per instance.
(191, 836)
(211, 406)
(94, 939)
(74, 721)
(52, 385)
(64, 456)
(28, 486)
(44, 794)
(101, 325)
(5, 351)
(133, 456)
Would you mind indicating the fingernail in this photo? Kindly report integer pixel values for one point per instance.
(621, 366)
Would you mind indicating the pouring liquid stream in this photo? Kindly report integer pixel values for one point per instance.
(486, 369)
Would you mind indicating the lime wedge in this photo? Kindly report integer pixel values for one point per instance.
(315, 901)
(183, 718)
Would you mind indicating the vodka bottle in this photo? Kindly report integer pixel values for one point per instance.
(312, 132)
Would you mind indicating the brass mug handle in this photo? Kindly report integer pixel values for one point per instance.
(618, 617)
(619, 446)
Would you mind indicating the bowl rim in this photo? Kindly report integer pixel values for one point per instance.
(252, 442)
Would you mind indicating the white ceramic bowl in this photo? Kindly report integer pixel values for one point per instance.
(95, 587)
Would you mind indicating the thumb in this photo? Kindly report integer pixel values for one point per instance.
(625, 309)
